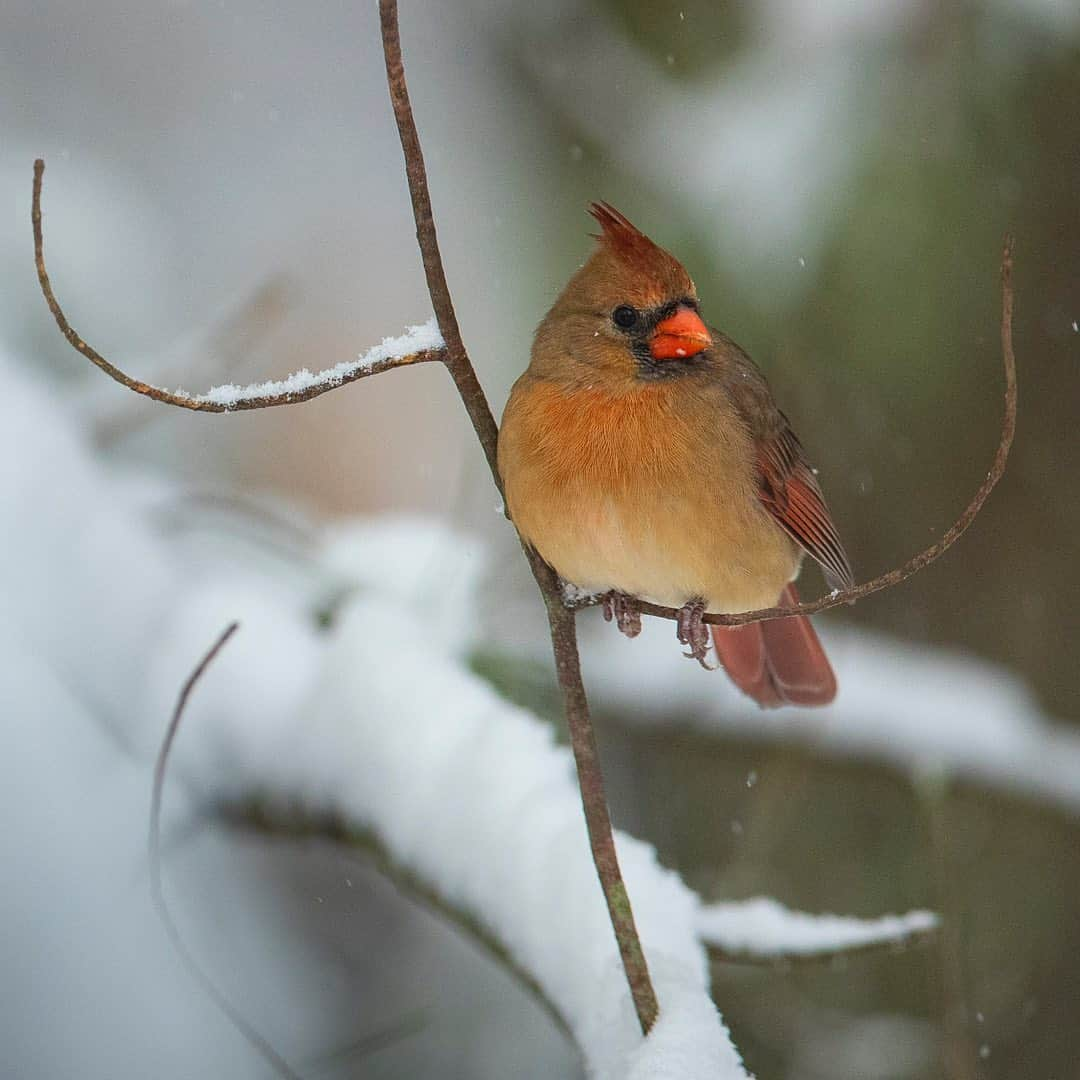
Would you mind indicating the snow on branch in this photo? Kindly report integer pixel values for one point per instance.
(470, 794)
(763, 931)
(420, 344)
(474, 796)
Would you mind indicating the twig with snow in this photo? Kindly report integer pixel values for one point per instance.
(763, 931)
(419, 345)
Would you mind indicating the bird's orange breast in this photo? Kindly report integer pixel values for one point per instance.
(647, 489)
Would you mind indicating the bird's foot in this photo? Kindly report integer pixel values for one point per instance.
(694, 633)
(624, 610)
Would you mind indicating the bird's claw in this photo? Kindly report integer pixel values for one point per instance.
(694, 633)
(624, 610)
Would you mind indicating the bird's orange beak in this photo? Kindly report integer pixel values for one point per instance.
(679, 336)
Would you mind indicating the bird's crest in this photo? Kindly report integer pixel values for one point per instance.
(618, 231)
(631, 246)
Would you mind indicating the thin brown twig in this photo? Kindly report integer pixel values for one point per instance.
(563, 625)
(258, 1041)
(181, 400)
(562, 620)
(153, 842)
(923, 558)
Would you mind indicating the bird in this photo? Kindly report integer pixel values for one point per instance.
(643, 457)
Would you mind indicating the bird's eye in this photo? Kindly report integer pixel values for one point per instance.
(624, 316)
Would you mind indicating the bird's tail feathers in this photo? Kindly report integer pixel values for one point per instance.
(777, 662)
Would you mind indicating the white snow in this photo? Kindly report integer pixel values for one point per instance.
(764, 927)
(574, 595)
(419, 338)
(474, 795)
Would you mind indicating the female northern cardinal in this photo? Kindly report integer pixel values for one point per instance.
(642, 455)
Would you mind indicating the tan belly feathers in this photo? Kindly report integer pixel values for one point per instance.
(621, 492)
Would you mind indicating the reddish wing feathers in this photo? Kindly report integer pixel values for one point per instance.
(790, 492)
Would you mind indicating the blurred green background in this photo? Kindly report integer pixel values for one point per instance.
(838, 178)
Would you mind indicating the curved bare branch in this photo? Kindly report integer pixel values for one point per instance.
(321, 384)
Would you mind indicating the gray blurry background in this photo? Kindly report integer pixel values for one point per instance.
(837, 177)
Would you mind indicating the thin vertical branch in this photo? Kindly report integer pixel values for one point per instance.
(563, 629)
(597, 820)
(153, 846)
(258, 1041)
(457, 359)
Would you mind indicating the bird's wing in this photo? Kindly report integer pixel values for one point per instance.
(789, 490)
